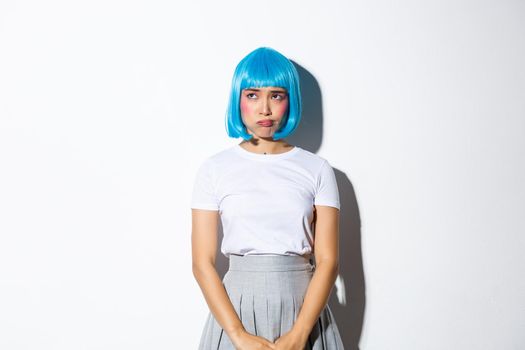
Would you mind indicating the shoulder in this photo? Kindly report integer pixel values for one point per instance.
(217, 159)
(222, 157)
(313, 161)
(313, 157)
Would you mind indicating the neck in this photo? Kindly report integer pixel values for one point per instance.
(265, 146)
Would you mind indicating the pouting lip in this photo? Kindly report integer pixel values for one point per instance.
(265, 121)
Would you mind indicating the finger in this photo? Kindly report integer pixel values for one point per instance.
(270, 345)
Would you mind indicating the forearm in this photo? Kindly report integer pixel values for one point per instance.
(217, 299)
(316, 297)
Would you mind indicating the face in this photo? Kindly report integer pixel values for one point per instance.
(263, 109)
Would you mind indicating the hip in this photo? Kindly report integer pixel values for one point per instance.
(269, 274)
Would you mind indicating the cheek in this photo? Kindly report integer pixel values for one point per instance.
(245, 107)
(281, 108)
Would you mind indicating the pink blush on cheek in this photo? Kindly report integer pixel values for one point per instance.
(281, 108)
(244, 106)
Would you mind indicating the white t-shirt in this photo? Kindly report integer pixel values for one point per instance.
(265, 201)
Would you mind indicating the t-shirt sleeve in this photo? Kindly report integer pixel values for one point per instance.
(327, 191)
(204, 194)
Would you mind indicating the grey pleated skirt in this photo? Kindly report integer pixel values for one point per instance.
(267, 292)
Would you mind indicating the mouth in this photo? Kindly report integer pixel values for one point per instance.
(266, 123)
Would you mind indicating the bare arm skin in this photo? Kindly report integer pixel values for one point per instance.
(326, 251)
(204, 246)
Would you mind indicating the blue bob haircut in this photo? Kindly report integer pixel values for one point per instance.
(264, 67)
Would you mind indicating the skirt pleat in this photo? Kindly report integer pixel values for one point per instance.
(267, 293)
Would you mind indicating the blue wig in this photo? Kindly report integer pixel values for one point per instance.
(264, 67)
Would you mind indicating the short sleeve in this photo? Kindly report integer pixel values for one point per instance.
(203, 194)
(327, 191)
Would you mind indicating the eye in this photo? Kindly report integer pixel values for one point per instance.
(250, 93)
(280, 96)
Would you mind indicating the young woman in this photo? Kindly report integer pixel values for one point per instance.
(276, 202)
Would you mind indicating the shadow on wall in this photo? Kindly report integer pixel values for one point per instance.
(347, 300)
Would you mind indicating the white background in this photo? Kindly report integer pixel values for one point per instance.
(108, 107)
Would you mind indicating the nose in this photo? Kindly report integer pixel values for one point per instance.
(265, 108)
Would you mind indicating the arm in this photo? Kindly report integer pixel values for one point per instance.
(326, 253)
(204, 247)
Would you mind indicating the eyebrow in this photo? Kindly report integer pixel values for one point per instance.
(282, 91)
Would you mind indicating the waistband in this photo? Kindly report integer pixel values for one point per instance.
(271, 263)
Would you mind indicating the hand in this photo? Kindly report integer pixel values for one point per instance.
(246, 341)
(290, 341)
